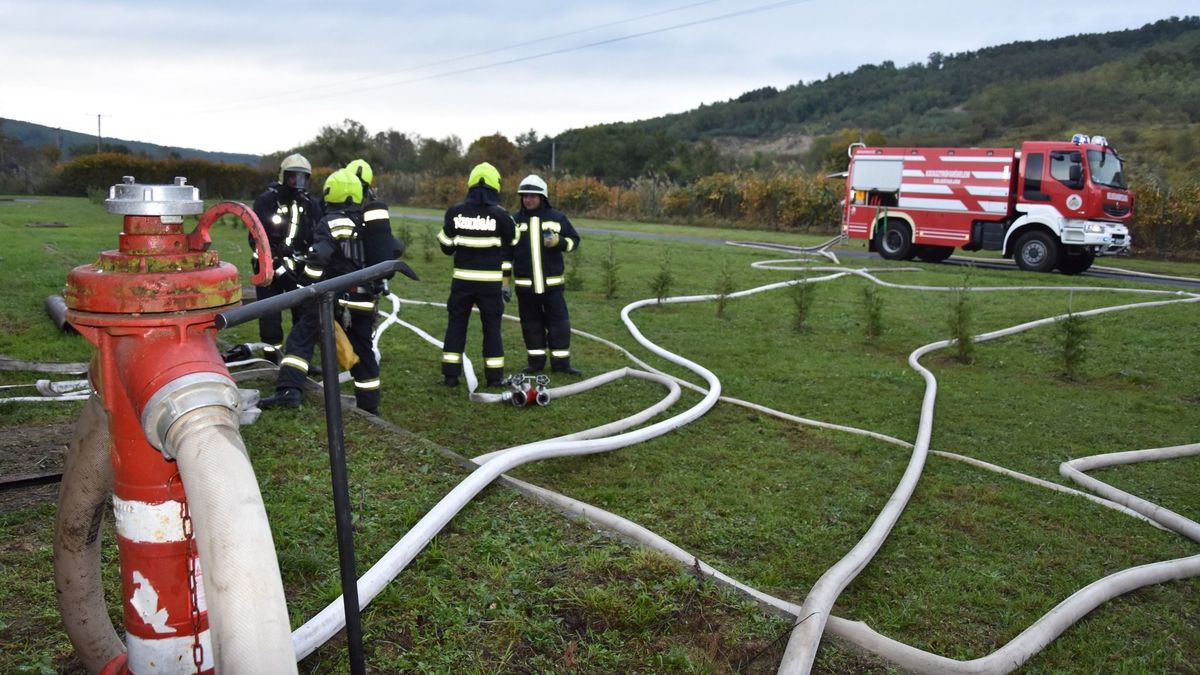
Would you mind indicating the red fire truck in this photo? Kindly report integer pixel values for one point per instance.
(1049, 205)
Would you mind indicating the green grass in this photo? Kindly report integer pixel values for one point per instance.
(508, 586)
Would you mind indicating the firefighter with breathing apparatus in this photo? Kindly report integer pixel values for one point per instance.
(379, 243)
(337, 249)
(287, 213)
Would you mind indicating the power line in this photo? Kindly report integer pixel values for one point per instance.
(553, 52)
(495, 50)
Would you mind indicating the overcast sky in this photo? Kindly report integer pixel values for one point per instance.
(260, 76)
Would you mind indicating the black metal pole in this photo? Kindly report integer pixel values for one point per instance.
(341, 490)
(255, 310)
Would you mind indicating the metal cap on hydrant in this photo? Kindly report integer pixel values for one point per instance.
(158, 267)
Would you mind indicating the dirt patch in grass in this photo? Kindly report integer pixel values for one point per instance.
(30, 450)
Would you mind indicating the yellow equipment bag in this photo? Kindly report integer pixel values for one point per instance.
(345, 351)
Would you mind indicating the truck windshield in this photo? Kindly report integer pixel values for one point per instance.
(1106, 169)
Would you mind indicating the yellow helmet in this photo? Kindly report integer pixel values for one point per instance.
(487, 173)
(342, 187)
(360, 168)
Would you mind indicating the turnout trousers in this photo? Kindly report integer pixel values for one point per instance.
(298, 351)
(463, 296)
(306, 334)
(545, 326)
(361, 310)
(270, 326)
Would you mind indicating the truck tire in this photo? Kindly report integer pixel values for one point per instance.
(1076, 264)
(934, 254)
(893, 240)
(1037, 251)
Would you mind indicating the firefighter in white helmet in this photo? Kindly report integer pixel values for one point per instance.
(287, 213)
(543, 235)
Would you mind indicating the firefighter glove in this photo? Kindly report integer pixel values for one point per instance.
(550, 240)
(506, 291)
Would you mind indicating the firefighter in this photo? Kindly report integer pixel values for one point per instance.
(287, 213)
(337, 249)
(479, 233)
(379, 243)
(543, 235)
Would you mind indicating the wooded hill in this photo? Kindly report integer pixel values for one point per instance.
(69, 144)
(1140, 88)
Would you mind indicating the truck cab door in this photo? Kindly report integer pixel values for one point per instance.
(1066, 182)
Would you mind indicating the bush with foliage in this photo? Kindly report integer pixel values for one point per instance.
(214, 179)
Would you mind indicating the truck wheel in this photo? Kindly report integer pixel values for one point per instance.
(1076, 264)
(893, 241)
(934, 254)
(1037, 251)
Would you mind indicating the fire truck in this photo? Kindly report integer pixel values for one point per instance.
(1050, 205)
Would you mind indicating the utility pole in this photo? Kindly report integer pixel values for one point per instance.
(553, 152)
(98, 135)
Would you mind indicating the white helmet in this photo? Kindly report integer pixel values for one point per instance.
(533, 185)
(297, 164)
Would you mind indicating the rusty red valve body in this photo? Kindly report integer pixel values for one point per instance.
(149, 308)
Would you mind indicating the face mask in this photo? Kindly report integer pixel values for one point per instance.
(296, 180)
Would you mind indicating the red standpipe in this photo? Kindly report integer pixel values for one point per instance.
(149, 309)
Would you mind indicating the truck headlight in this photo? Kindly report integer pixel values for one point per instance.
(1095, 228)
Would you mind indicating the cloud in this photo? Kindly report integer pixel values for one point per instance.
(265, 76)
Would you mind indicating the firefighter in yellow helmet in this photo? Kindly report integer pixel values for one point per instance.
(379, 242)
(337, 249)
(287, 213)
(479, 233)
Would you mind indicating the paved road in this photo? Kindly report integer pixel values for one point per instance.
(989, 263)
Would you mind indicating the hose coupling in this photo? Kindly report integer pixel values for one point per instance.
(181, 396)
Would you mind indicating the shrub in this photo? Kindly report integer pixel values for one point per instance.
(609, 269)
(803, 294)
(724, 287)
(214, 179)
(873, 311)
(1072, 339)
(580, 195)
(660, 285)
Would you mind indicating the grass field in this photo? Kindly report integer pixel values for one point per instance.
(511, 587)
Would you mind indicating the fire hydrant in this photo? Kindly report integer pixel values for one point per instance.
(149, 309)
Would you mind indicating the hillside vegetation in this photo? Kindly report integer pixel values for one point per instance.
(71, 144)
(1139, 87)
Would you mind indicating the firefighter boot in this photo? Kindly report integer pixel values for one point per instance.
(564, 366)
(367, 401)
(536, 365)
(288, 397)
